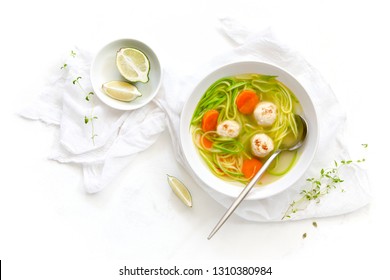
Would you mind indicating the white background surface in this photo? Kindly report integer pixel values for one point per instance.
(46, 214)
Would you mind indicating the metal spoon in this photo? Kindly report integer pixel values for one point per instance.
(254, 180)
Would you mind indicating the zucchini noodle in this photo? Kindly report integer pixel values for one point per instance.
(225, 156)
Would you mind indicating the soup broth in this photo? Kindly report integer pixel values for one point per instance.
(240, 121)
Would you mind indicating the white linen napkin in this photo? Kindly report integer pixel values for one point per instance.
(120, 134)
(332, 146)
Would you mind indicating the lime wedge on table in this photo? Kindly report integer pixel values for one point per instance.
(133, 65)
(180, 190)
(121, 90)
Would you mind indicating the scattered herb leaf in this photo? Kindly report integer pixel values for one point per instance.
(314, 224)
(76, 80)
(88, 95)
(304, 235)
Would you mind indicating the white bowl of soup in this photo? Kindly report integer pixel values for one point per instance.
(236, 117)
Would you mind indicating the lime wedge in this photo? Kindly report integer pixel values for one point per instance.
(180, 190)
(133, 65)
(121, 90)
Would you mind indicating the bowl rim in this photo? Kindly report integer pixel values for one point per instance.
(255, 194)
(116, 104)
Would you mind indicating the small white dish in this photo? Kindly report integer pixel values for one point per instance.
(103, 69)
(232, 189)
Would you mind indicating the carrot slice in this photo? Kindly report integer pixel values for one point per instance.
(206, 143)
(246, 101)
(250, 167)
(210, 120)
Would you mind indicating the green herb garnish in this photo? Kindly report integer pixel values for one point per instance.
(88, 97)
(320, 186)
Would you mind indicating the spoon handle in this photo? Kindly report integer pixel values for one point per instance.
(243, 194)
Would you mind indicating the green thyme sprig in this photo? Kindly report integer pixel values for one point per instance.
(328, 180)
(90, 118)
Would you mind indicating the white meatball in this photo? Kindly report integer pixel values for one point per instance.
(228, 129)
(265, 113)
(262, 145)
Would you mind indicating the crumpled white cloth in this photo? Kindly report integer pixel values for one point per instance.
(264, 46)
(121, 135)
